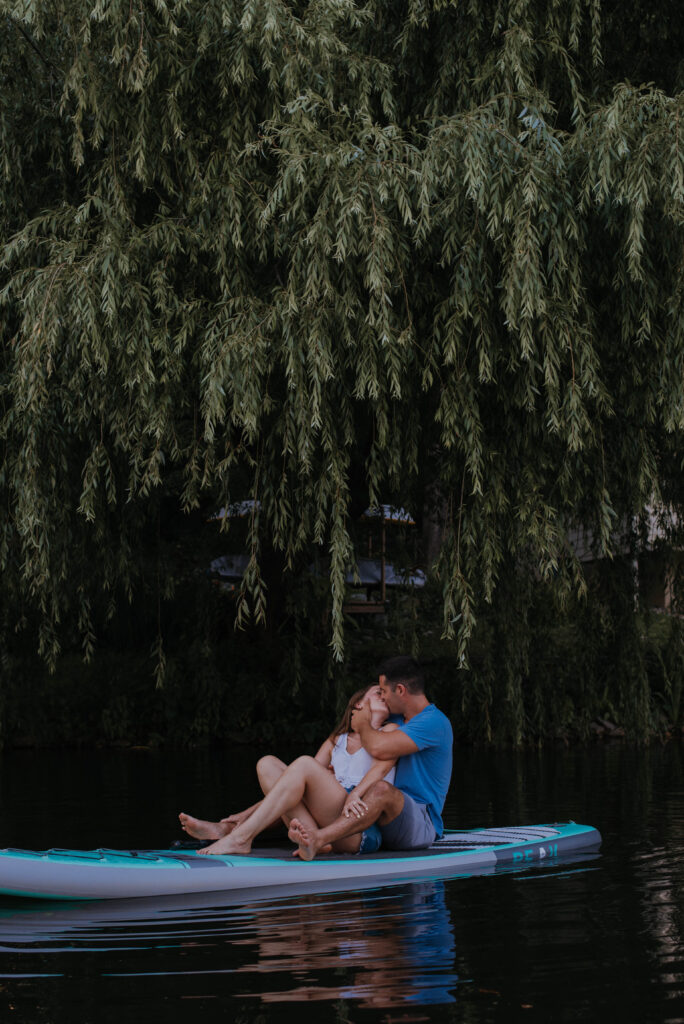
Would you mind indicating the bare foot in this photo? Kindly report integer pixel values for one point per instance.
(324, 849)
(305, 839)
(227, 844)
(199, 829)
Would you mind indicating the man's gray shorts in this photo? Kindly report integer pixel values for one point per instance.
(410, 830)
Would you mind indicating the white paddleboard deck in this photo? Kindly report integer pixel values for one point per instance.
(122, 874)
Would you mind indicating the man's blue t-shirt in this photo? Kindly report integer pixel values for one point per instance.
(425, 775)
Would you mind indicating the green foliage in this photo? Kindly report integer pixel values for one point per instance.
(317, 255)
(537, 673)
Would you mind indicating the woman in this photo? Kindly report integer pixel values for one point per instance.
(310, 789)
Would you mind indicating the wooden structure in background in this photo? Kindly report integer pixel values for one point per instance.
(385, 515)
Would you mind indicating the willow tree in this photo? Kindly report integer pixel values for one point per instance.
(255, 249)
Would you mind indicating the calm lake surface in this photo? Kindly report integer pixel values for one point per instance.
(595, 939)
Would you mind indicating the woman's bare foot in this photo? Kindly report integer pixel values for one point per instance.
(226, 844)
(324, 849)
(305, 838)
(199, 829)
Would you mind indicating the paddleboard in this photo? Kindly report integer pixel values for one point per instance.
(123, 874)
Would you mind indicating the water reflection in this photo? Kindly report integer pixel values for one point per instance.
(380, 948)
(388, 950)
(598, 939)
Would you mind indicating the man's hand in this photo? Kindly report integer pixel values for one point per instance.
(361, 717)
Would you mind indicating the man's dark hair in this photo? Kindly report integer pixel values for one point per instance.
(406, 670)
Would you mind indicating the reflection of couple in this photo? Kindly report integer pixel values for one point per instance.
(386, 951)
(357, 808)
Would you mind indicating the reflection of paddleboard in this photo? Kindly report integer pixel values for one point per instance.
(117, 874)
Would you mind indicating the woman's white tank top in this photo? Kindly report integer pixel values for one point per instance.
(350, 768)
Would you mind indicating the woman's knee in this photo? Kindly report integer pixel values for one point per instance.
(267, 764)
(304, 763)
(270, 766)
(269, 769)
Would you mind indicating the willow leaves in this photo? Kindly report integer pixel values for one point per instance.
(248, 248)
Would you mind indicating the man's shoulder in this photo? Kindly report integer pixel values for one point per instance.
(440, 721)
(433, 713)
(438, 715)
(430, 720)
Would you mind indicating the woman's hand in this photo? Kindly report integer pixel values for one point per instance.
(354, 806)
(235, 819)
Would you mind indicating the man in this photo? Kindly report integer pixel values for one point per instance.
(408, 812)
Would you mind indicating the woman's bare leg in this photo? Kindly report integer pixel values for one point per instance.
(269, 771)
(200, 829)
(305, 781)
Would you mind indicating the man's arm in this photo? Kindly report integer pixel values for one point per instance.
(383, 746)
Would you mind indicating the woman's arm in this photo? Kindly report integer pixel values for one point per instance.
(324, 754)
(354, 803)
(240, 816)
(377, 771)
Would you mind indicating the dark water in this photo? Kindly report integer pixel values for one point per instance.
(586, 940)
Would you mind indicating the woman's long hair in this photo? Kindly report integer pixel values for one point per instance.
(344, 724)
